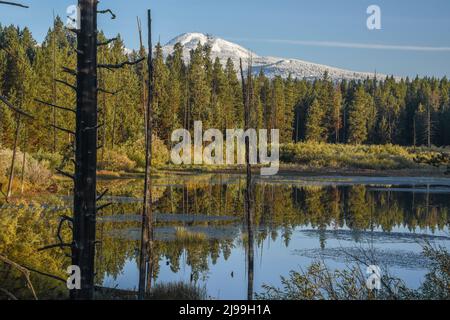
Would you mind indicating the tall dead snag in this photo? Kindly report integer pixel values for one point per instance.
(54, 92)
(146, 256)
(142, 75)
(85, 192)
(247, 93)
(13, 158)
(19, 114)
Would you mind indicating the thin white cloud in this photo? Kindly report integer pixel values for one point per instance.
(351, 45)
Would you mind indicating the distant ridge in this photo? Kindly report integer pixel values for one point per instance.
(272, 66)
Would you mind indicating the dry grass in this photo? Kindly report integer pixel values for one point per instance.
(37, 173)
(185, 236)
(376, 157)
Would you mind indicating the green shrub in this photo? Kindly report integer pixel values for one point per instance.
(116, 161)
(377, 157)
(37, 172)
(54, 160)
(135, 150)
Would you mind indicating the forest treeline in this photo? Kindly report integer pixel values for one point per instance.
(407, 112)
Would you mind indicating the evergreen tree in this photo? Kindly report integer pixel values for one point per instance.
(315, 131)
(357, 117)
(199, 89)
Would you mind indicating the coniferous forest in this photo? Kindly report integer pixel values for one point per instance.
(409, 112)
(94, 209)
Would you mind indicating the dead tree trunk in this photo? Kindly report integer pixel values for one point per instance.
(13, 158)
(247, 92)
(428, 126)
(24, 155)
(19, 114)
(54, 100)
(147, 215)
(142, 75)
(85, 210)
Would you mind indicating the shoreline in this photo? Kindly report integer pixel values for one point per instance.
(285, 171)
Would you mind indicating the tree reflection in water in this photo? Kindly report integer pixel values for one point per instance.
(211, 205)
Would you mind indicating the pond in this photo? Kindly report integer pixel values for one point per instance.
(201, 234)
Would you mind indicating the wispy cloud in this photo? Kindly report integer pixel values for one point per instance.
(351, 45)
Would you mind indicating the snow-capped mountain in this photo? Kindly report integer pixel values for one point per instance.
(272, 66)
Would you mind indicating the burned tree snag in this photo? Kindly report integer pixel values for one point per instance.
(54, 93)
(247, 93)
(13, 158)
(85, 192)
(24, 154)
(147, 215)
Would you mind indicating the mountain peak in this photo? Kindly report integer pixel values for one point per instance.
(272, 66)
(219, 47)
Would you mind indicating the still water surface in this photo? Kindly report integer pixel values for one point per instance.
(297, 221)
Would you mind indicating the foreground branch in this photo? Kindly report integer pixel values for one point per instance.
(23, 270)
(121, 65)
(113, 16)
(17, 110)
(106, 42)
(14, 4)
(55, 106)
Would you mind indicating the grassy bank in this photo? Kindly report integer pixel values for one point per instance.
(30, 173)
(371, 157)
(321, 158)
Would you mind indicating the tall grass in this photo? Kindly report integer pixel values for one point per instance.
(36, 173)
(187, 237)
(376, 157)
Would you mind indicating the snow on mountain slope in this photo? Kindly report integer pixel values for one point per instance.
(272, 66)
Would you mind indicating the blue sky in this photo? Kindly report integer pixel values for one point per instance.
(414, 39)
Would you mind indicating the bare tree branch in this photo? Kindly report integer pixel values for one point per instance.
(113, 16)
(106, 42)
(100, 197)
(9, 294)
(70, 71)
(65, 174)
(14, 4)
(23, 270)
(57, 245)
(104, 206)
(120, 65)
(63, 129)
(108, 92)
(66, 84)
(17, 110)
(55, 106)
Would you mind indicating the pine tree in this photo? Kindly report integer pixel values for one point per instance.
(334, 116)
(162, 116)
(234, 107)
(290, 103)
(357, 118)
(199, 89)
(315, 131)
(177, 85)
(219, 100)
